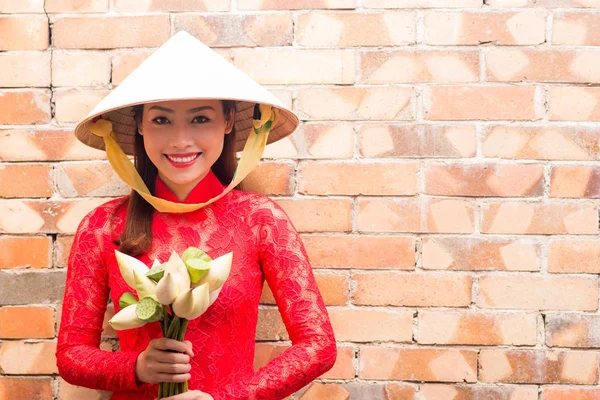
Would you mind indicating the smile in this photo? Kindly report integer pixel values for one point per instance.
(183, 161)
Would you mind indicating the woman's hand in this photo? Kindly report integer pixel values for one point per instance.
(165, 360)
(191, 395)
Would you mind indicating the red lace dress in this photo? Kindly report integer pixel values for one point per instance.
(265, 245)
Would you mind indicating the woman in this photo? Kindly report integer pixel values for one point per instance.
(175, 113)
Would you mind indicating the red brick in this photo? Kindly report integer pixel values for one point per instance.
(137, 6)
(438, 365)
(412, 290)
(24, 33)
(89, 179)
(77, 69)
(294, 4)
(125, 61)
(99, 32)
(570, 393)
(536, 366)
(541, 143)
(480, 102)
(574, 256)
(79, 6)
(271, 178)
(581, 29)
(574, 103)
(333, 288)
(398, 179)
(545, 218)
(363, 251)
(484, 179)
(238, 30)
(477, 392)
(326, 140)
(26, 388)
(317, 391)
(25, 180)
(535, 292)
(30, 69)
(26, 322)
(422, 3)
(375, 325)
(476, 328)
(319, 215)
(28, 252)
(543, 3)
(14, 7)
(473, 28)
(356, 29)
(24, 107)
(72, 392)
(400, 141)
(477, 254)
(575, 181)
(572, 330)
(20, 358)
(73, 105)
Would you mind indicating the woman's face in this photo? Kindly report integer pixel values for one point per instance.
(183, 139)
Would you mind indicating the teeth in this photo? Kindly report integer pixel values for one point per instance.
(182, 159)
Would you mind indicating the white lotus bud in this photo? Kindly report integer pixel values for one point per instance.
(167, 289)
(126, 319)
(144, 285)
(218, 273)
(176, 267)
(192, 303)
(127, 265)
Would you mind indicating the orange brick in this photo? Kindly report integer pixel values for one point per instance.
(543, 3)
(80, 69)
(477, 254)
(319, 215)
(90, 179)
(26, 322)
(14, 7)
(99, 32)
(79, 6)
(20, 358)
(44, 145)
(517, 65)
(238, 30)
(169, 5)
(327, 140)
(62, 247)
(24, 107)
(545, 218)
(355, 103)
(399, 179)
(574, 256)
(439, 365)
(286, 65)
(271, 179)
(422, 3)
(473, 28)
(480, 102)
(439, 140)
(569, 393)
(405, 215)
(385, 67)
(333, 288)
(317, 391)
(581, 29)
(72, 392)
(25, 69)
(572, 330)
(575, 181)
(270, 325)
(574, 103)
(484, 179)
(533, 366)
(376, 325)
(534, 292)
(124, 62)
(356, 29)
(25, 388)
(412, 290)
(18, 216)
(541, 143)
(476, 328)
(24, 33)
(475, 392)
(28, 252)
(285, 148)
(72, 105)
(362, 251)
(294, 4)
(25, 180)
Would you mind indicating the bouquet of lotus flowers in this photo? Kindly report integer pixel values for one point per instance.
(173, 293)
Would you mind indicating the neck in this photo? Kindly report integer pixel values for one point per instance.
(181, 191)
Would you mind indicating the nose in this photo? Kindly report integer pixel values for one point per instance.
(181, 137)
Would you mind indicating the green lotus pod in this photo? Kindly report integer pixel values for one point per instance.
(157, 272)
(197, 268)
(149, 310)
(128, 299)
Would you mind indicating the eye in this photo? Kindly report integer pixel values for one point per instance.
(160, 120)
(200, 119)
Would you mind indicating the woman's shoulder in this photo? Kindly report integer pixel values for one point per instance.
(257, 206)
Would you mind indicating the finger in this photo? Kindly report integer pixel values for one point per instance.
(170, 344)
(172, 377)
(190, 351)
(162, 368)
(168, 357)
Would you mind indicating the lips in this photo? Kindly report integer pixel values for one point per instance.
(182, 160)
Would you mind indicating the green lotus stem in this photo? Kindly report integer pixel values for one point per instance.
(173, 327)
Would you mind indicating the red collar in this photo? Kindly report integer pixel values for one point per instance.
(205, 190)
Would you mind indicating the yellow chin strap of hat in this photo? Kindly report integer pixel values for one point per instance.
(264, 119)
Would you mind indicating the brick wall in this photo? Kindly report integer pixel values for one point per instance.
(445, 178)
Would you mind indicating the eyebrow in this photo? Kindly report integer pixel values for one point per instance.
(193, 110)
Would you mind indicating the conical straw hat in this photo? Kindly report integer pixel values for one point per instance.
(181, 69)
(184, 68)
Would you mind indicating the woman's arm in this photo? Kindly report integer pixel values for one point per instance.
(79, 358)
(290, 277)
